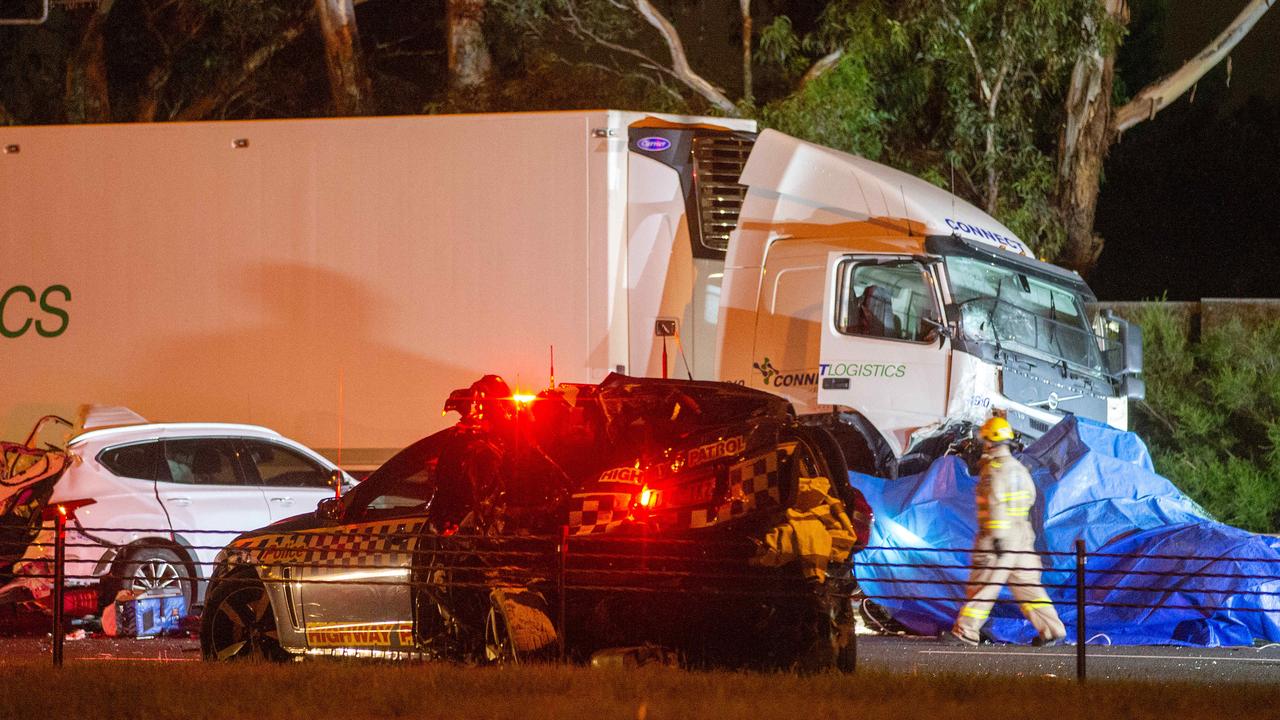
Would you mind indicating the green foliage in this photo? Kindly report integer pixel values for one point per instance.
(944, 89)
(1212, 414)
(837, 110)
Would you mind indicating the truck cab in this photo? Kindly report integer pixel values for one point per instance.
(863, 293)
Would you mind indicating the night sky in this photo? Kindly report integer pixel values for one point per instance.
(1190, 206)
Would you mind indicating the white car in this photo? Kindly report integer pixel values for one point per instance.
(154, 503)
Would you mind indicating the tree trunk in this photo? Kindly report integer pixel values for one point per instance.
(748, 86)
(1082, 146)
(469, 62)
(1092, 125)
(88, 96)
(348, 81)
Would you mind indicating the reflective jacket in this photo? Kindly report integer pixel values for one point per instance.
(1005, 495)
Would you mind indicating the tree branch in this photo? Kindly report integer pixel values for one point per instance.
(205, 105)
(821, 66)
(1159, 94)
(680, 61)
(580, 29)
(973, 53)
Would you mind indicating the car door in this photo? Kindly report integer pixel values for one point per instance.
(292, 482)
(357, 584)
(208, 496)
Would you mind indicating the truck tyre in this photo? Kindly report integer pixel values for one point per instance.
(239, 623)
(148, 568)
(518, 628)
(865, 449)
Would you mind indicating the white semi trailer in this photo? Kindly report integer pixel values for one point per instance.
(334, 279)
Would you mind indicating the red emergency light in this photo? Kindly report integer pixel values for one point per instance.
(66, 509)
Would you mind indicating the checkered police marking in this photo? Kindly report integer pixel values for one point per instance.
(598, 512)
(364, 545)
(753, 484)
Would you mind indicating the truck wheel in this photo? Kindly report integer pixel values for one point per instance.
(518, 628)
(239, 623)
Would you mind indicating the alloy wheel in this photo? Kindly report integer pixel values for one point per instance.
(243, 625)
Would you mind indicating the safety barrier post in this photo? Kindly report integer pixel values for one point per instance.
(563, 552)
(59, 582)
(1081, 635)
(853, 637)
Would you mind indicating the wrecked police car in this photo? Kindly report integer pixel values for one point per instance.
(696, 517)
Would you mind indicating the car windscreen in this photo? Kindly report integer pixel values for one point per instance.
(405, 481)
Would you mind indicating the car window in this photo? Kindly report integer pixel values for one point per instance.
(202, 462)
(139, 460)
(405, 482)
(279, 466)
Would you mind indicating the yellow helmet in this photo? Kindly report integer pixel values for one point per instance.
(996, 430)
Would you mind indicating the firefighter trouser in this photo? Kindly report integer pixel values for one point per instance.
(1021, 570)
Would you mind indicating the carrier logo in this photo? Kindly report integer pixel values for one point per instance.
(773, 377)
(653, 144)
(21, 310)
(766, 369)
(1003, 241)
(882, 370)
(716, 450)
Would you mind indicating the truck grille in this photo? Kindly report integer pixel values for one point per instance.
(717, 165)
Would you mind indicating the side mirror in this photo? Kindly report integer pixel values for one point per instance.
(1128, 339)
(335, 478)
(1133, 388)
(1131, 342)
(940, 329)
(330, 509)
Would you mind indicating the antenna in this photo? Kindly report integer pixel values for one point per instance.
(338, 487)
(953, 186)
(553, 367)
(680, 346)
(903, 189)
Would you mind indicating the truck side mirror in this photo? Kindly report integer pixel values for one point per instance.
(1124, 351)
(1131, 342)
(1133, 388)
(335, 478)
(941, 328)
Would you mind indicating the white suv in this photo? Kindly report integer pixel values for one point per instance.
(154, 503)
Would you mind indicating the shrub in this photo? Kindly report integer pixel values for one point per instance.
(1212, 414)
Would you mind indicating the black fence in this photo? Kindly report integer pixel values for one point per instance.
(568, 564)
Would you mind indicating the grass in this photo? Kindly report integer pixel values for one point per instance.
(192, 691)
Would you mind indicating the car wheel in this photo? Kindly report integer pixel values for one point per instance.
(238, 622)
(518, 628)
(149, 568)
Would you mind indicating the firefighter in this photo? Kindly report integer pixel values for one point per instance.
(1003, 551)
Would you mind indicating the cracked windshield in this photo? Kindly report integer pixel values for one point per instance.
(1005, 307)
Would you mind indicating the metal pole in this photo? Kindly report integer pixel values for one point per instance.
(853, 635)
(59, 581)
(1081, 631)
(564, 556)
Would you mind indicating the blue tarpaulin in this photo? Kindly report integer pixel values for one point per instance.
(1143, 537)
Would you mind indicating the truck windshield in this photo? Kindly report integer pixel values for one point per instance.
(1004, 306)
